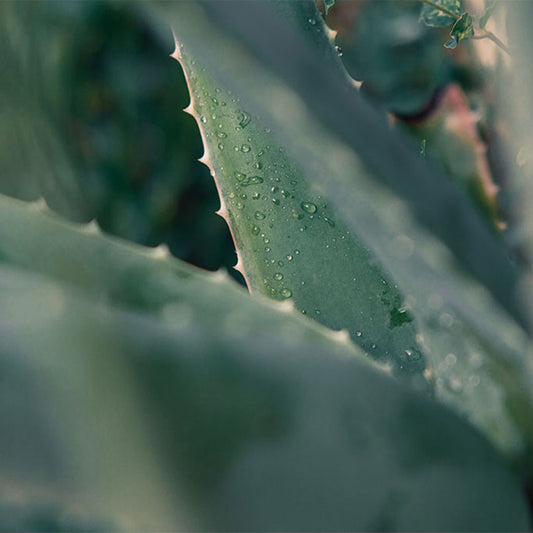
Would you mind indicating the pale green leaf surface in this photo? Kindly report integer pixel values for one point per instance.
(183, 428)
(453, 313)
(145, 279)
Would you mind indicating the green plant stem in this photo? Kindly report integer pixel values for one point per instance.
(485, 34)
(441, 8)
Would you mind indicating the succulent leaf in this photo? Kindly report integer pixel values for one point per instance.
(147, 280)
(173, 428)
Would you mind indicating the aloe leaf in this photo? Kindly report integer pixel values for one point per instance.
(290, 243)
(452, 312)
(145, 279)
(439, 13)
(112, 413)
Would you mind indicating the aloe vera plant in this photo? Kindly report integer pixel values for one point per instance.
(378, 375)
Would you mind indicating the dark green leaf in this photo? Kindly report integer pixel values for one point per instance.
(438, 13)
(329, 4)
(463, 28)
(451, 42)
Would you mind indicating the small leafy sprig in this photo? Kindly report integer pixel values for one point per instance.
(442, 13)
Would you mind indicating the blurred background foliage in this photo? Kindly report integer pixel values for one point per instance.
(117, 98)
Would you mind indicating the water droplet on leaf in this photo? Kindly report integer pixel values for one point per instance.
(308, 207)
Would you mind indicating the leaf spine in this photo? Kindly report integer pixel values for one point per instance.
(160, 252)
(285, 306)
(220, 275)
(39, 205)
(91, 228)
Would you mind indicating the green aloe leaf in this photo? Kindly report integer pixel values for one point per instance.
(483, 371)
(110, 413)
(291, 245)
(439, 13)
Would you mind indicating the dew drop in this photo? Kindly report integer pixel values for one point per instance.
(267, 248)
(297, 252)
(275, 201)
(280, 263)
(252, 180)
(358, 333)
(203, 119)
(308, 207)
(255, 230)
(220, 146)
(278, 276)
(239, 175)
(221, 135)
(289, 257)
(275, 189)
(244, 119)
(450, 359)
(258, 165)
(266, 240)
(286, 293)
(259, 216)
(329, 221)
(474, 380)
(240, 205)
(255, 196)
(312, 22)
(303, 228)
(245, 148)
